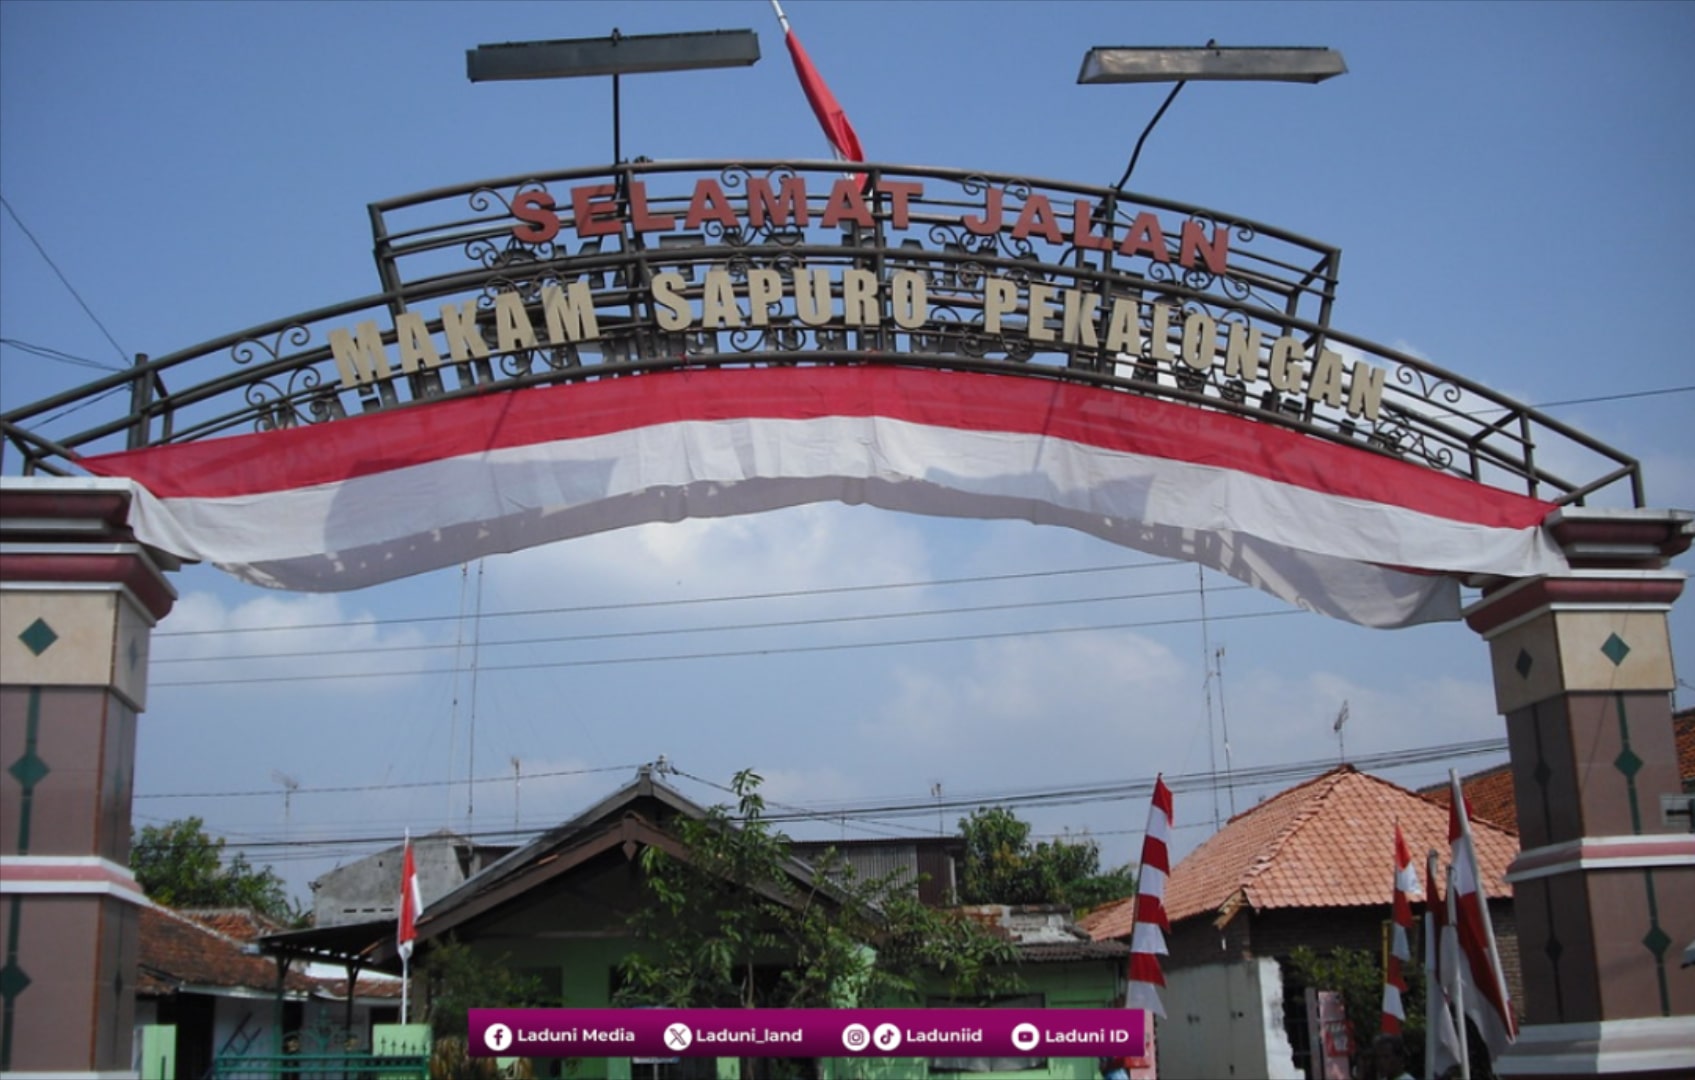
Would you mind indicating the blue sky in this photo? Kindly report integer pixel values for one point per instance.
(1509, 199)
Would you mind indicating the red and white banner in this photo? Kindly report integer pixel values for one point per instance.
(1147, 935)
(351, 503)
(411, 903)
(1400, 928)
(1485, 986)
(844, 141)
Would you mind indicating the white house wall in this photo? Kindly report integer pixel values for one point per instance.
(1225, 1020)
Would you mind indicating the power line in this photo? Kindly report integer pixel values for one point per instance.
(363, 788)
(122, 354)
(731, 654)
(63, 357)
(782, 624)
(1107, 791)
(638, 605)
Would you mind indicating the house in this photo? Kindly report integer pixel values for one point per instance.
(557, 910)
(1310, 866)
(368, 890)
(201, 973)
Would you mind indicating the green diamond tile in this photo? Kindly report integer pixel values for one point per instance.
(1524, 663)
(38, 637)
(29, 769)
(1615, 649)
(1657, 941)
(1627, 762)
(13, 981)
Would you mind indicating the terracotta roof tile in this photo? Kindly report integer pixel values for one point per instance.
(1326, 843)
(176, 950)
(242, 924)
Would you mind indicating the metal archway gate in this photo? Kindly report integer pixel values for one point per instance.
(580, 351)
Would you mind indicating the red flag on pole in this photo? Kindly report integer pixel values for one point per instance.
(1442, 1047)
(843, 139)
(1147, 939)
(1400, 949)
(1485, 997)
(410, 903)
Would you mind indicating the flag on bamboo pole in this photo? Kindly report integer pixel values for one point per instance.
(1442, 1047)
(843, 139)
(1400, 948)
(1485, 987)
(1147, 939)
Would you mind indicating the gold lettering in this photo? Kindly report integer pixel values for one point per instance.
(1000, 297)
(464, 337)
(859, 297)
(360, 356)
(671, 309)
(1200, 340)
(1082, 311)
(1241, 358)
(718, 305)
(417, 348)
(909, 299)
(1365, 394)
(570, 313)
(1124, 327)
(1285, 371)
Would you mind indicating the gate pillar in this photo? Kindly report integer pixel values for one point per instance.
(78, 601)
(1604, 883)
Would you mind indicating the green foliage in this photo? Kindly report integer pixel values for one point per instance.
(729, 925)
(179, 865)
(1358, 975)
(458, 979)
(1003, 867)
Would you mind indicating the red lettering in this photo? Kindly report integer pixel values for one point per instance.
(846, 202)
(640, 219)
(1145, 238)
(535, 209)
(1036, 215)
(709, 204)
(596, 213)
(1193, 247)
(1082, 221)
(762, 202)
(990, 222)
(899, 191)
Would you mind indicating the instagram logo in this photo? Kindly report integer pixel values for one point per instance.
(855, 1037)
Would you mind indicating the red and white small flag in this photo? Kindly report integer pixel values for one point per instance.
(1442, 1048)
(1485, 987)
(1147, 939)
(1400, 948)
(411, 903)
(843, 139)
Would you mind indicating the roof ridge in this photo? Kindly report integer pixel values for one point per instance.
(1311, 806)
(190, 921)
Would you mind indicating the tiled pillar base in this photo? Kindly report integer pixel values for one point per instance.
(1604, 885)
(78, 600)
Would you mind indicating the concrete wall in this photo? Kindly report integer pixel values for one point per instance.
(1225, 1020)
(370, 888)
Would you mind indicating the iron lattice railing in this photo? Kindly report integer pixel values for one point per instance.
(1019, 276)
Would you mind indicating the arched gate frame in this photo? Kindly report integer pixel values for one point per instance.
(674, 339)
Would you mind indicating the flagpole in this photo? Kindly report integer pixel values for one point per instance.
(782, 20)
(1497, 974)
(1432, 993)
(1451, 972)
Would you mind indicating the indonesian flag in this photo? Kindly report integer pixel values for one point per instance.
(411, 903)
(843, 139)
(373, 498)
(1400, 948)
(1442, 1048)
(1485, 987)
(1147, 939)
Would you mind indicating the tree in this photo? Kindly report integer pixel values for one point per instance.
(1002, 867)
(179, 865)
(730, 925)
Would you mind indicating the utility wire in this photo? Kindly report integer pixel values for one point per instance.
(60, 355)
(346, 789)
(122, 353)
(782, 624)
(923, 806)
(638, 605)
(730, 654)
